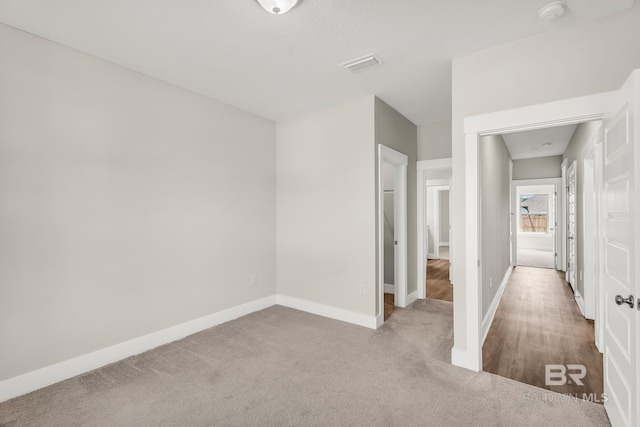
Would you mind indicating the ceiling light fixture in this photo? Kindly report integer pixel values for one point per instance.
(277, 7)
(552, 11)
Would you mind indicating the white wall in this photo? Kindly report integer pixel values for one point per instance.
(326, 203)
(537, 168)
(592, 57)
(495, 210)
(434, 141)
(127, 205)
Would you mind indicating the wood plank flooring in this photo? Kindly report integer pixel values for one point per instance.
(388, 305)
(538, 322)
(438, 284)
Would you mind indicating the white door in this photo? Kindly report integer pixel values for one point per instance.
(620, 257)
(571, 225)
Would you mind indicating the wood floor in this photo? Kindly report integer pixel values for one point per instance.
(537, 323)
(438, 284)
(388, 305)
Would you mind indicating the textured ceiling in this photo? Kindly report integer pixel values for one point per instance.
(281, 66)
(539, 143)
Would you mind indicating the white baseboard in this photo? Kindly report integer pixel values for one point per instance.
(328, 311)
(31, 381)
(488, 318)
(431, 255)
(465, 360)
(580, 301)
(389, 289)
(379, 320)
(444, 243)
(413, 296)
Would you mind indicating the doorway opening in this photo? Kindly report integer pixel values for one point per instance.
(392, 232)
(535, 319)
(535, 237)
(435, 233)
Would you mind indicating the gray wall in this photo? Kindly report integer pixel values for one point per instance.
(326, 201)
(592, 57)
(434, 141)
(127, 205)
(584, 132)
(537, 168)
(495, 188)
(397, 132)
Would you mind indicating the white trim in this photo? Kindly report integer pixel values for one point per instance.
(493, 308)
(413, 296)
(389, 289)
(540, 116)
(468, 353)
(399, 161)
(579, 301)
(422, 252)
(591, 236)
(437, 182)
(379, 320)
(328, 311)
(444, 243)
(562, 254)
(462, 358)
(52, 374)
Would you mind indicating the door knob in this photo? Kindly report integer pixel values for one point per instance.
(620, 300)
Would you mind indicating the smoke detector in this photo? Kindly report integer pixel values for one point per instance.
(363, 62)
(552, 11)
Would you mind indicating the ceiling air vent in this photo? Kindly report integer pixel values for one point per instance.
(363, 62)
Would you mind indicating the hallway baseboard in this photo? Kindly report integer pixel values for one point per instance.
(491, 314)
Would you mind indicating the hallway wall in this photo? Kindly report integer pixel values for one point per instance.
(495, 210)
(584, 132)
(537, 168)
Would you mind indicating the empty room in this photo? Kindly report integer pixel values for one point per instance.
(223, 213)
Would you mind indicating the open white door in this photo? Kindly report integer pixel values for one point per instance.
(571, 226)
(620, 259)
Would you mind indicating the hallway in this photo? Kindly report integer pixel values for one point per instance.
(537, 323)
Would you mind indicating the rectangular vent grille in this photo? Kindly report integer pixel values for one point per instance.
(360, 63)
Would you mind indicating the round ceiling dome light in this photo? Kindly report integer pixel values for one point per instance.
(552, 11)
(277, 7)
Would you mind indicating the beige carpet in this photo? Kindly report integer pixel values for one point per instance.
(285, 367)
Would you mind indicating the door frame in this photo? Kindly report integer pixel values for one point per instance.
(467, 350)
(437, 190)
(399, 161)
(422, 167)
(590, 193)
(557, 182)
(571, 277)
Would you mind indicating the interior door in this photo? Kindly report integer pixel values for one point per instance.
(620, 257)
(571, 225)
